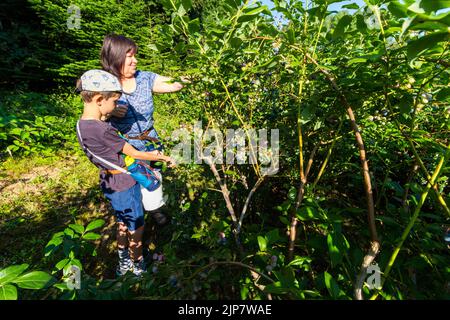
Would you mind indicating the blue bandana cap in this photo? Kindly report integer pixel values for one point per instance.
(99, 81)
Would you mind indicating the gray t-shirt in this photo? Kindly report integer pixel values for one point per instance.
(103, 141)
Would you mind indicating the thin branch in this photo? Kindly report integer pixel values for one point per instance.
(244, 210)
(362, 151)
(294, 220)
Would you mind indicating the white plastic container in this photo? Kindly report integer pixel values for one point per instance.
(153, 200)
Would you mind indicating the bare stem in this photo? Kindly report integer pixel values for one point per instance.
(244, 210)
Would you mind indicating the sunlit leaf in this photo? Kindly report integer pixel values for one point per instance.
(262, 242)
(8, 292)
(35, 280)
(95, 224)
(12, 272)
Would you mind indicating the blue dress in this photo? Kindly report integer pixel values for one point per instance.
(139, 117)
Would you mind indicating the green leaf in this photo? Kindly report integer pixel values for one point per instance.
(284, 220)
(430, 26)
(327, 2)
(194, 26)
(418, 47)
(61, 286)
(429, 6)
(77, 227)
(187, 4)
(337, 247)
(351, 6)
(306, 213)
(253, 13)
(234, 3)
(276, 288)
(262, 242)
(52, 245)
(35, 280)
(15, 131)
(333, 249)
(8, 292)
(300, 261)
(443, 94)
(287, 277)
(307, 114)
(10, 273)
(340, 27)
(397, 9)
(273, 236)
(91, 236)
(235, 42)
(61, 264)
(356, 60)
(292, 194)
(95, 224)
(69, 232)
(332, 286)
(291, 35)
(361, 24)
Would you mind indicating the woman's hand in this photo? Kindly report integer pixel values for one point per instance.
(186, 79)
(165, 85)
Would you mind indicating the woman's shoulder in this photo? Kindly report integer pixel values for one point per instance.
(141, 74)
(146, 78)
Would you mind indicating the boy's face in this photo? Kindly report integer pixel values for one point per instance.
(107, 105)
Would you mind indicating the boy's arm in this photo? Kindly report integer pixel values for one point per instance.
(129, 150)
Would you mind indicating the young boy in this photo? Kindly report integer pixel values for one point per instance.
(100, 90)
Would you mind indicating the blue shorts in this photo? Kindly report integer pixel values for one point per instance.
(127, 205)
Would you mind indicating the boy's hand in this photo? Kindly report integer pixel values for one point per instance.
(119, 111)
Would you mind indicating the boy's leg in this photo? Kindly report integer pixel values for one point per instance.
(130, 216)
(136, 230)
(125, 262)
(122, 236)
(135, 240)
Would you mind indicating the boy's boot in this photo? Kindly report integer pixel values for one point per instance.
(139, 267)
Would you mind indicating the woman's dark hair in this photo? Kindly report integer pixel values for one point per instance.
(114, 50)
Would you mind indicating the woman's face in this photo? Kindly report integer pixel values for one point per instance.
(129, 67)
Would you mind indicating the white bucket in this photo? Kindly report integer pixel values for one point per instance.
(153, 200)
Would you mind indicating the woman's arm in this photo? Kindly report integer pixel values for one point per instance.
(129, 150)
(162, 85)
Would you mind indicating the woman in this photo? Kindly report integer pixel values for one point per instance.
(134, 115)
